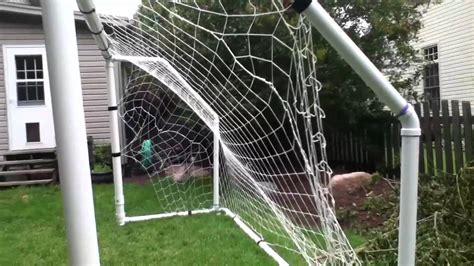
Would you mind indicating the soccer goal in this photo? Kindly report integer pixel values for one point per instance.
(218, 106)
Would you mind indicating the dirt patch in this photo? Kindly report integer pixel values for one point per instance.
(352, 209)
(294, 196)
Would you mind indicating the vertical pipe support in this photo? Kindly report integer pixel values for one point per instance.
(70, 131)
(115, 139)
(409, 159)
(410, 132)
(215, 174)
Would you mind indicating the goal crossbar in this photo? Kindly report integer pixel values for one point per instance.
(176, 83)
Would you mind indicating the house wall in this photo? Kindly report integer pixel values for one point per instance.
(451, 26)
(92, 67)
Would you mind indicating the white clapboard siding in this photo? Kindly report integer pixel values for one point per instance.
(450, 25)
(92, 66)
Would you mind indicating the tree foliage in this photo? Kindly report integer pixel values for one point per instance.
(385, 31)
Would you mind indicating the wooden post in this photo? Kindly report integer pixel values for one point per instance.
(422, 153)
(448, 149)
(426, 126)
(466, 112)
(437, 136)
(458, 160)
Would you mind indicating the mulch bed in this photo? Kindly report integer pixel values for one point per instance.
(351, 206)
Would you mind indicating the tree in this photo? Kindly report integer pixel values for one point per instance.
(385, 31)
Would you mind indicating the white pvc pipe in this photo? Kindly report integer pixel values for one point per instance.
(166, 215)
(70, 129)
(215, 174)
(410, 133)
(115, 145)
(87, 8)
(408, 200)
(188, 95)
(255, 237)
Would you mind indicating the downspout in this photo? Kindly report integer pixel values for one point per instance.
(410, 132)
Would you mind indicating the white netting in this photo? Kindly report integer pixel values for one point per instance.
(249, 65)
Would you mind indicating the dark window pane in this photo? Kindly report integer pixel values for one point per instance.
(32, 92)
(39, 74)
(39, 62)
(40, 90)
(20, 74)
(20, 62)
(21, 91)
(426, 71)
(33, 132)
(431, 53)
(30, 75)
(30, 62)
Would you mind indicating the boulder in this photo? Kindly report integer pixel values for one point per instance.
(350, 182)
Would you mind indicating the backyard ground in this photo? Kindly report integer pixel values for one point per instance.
(32, 231)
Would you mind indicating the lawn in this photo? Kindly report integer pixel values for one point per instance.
(32, 232)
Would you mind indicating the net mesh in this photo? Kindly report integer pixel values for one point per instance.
(245, 70)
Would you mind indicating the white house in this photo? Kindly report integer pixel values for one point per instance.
(446, 43)
(26, 121)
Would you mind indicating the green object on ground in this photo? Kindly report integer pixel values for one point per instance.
(147, 153)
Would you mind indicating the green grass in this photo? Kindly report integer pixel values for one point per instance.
(32, 232)
(101, 168)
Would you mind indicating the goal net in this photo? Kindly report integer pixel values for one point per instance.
(242, 73)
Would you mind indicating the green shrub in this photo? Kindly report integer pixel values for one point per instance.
(445, 229)
(103, 158)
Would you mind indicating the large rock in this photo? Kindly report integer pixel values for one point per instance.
(182, 172)
(350, 182)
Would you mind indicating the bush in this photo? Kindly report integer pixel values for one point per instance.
(103, 159)
(445, 229)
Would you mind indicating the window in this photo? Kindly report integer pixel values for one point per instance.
(29, 80)
(32, 132)
(431, 73)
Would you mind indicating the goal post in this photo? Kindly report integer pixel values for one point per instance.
(115, 144)
(410, 131)
(70, 131)
(188, 96)
(202, 68)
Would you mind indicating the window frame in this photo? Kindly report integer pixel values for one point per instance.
(36, 82)
(430, 59)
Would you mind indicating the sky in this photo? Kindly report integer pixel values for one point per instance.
(116, 7)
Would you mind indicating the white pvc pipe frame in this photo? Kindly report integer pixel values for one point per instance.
(70, 131)
(410, 132)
